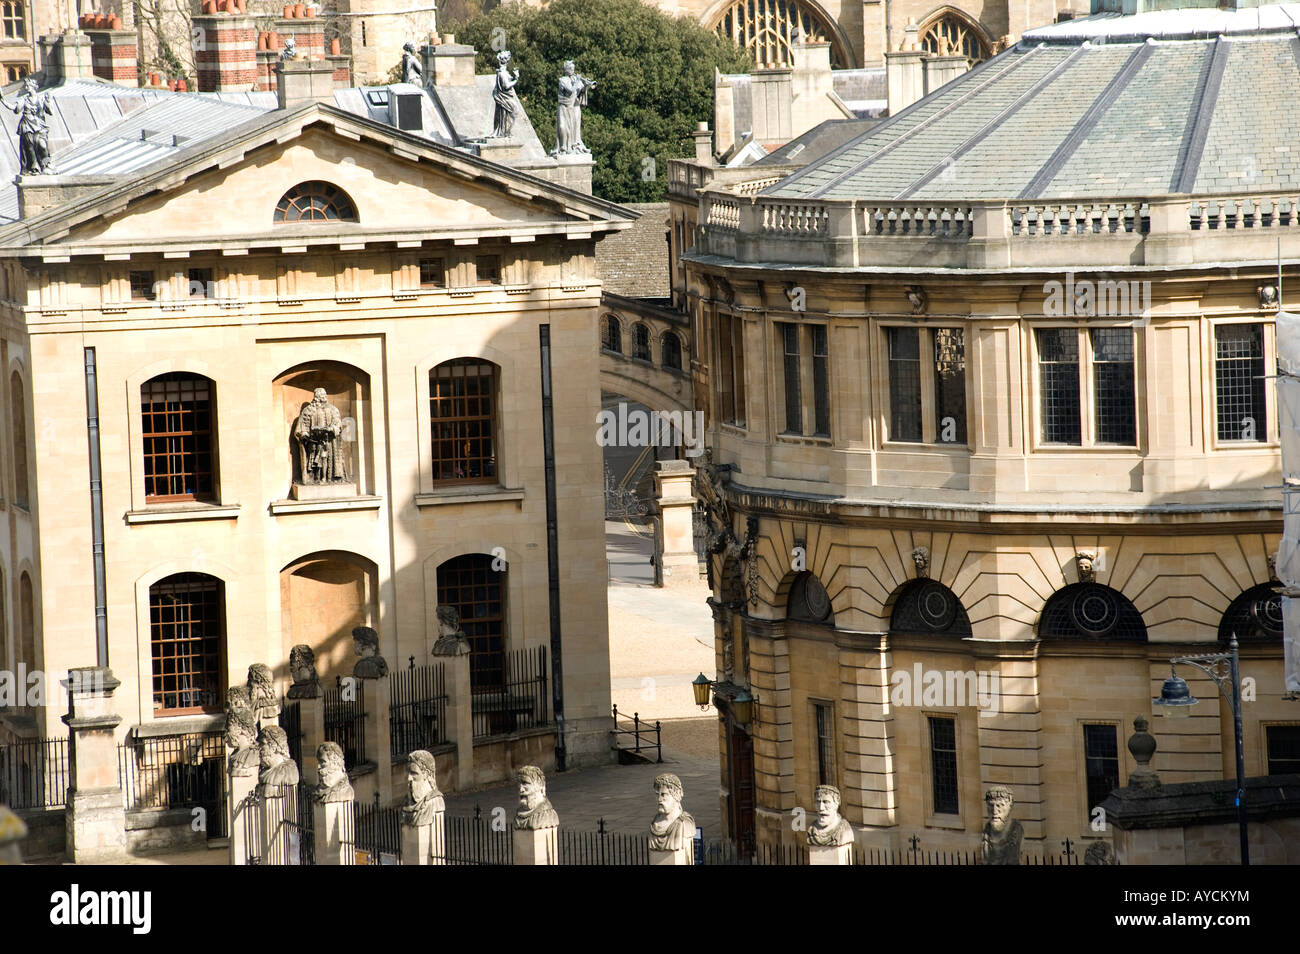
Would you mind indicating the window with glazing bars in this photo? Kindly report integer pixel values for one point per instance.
(1115, 414)
(1283, 742)
(1058, 365)
(672, 356)
(15, 20)
(731, 369)
(478, 593)
(1239, 382)
(462, 409)
(821, 382)
(825, 745)
(176, 425)
(904, 384)
(611, 338)
(433, 274)
(487, 269)
(943, 764)
(790, 367)
(950, 385)
(1101, 762)
(186, 635)
(640, 342)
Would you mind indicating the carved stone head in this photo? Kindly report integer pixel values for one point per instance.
(302, 667)
(569, 68)
(999, 801)
(532, 787)
(421, 777)
(1083, 562)
(408, 47)
(917, 298)
(503, 58)
(921, 560)
(319, 396)
(275, 746)
(826, 799)
(448, 620)
(261, 686)
(1099, 853)
(333, 766)
(668, 791)
(241, 731)
(1272, 567)
(365, 641)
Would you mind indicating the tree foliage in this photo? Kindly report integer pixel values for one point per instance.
(653, 73)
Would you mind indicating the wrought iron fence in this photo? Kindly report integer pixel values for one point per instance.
(417, 718)
(34, 774)
(521, 701)
(476, 841)
(637, 737)
(378, 834)
(291, 722)
(176, 771)
(603, 847)
(345, 719)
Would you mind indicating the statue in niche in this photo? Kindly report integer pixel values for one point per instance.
(412, 71)
(672, 828)
(371, 665)
(261, 694)
(568, 120)
(334, 785)
(1000, 842)
(277, 766)
(322, 457)
(921, 560)
(423, 799)
(505, 99)
(302, 667)
(1083, 563)
(451, 640)
(32, 109)
(831, 829)
(241, 743)
(535, 809)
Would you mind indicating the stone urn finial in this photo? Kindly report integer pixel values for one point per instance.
(1142, 746)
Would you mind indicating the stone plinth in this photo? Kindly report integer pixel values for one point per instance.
(311, 712)
(425, 844)
(538, 846)
(685, 855)
(277, 804)
(830, 855)
(460, 714)
(378, 699)
(304, 81)
(238, 789)
(333, 830)
(323, 491)
(96, 812)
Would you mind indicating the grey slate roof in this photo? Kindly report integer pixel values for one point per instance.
(1090, 115)
(817, 141)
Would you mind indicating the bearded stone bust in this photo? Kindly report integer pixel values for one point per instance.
(1000, 843)
(277, 767)
(241, 743)
(535, 809)
(334, 784)
(423, 799)
(831, 829)
(672, 828)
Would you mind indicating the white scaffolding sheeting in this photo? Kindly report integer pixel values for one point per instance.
(1288, 557)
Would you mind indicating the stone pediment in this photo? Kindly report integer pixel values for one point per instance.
(401, 185)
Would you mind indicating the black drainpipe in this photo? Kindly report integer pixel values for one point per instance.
(96, 512)
(552, 548)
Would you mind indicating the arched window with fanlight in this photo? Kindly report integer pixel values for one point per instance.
(640, 342)
(315, 202)
(949, 33)
(1255, 616)
(928, 607)
(672, 351)
(1091, 611)
(611, 334)
(769, 29)
(808, 600)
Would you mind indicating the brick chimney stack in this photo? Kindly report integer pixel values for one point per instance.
(226, 52)
(113, 54)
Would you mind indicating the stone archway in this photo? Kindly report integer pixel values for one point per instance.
(322, 597)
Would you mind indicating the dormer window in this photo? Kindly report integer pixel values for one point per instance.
(315, 202)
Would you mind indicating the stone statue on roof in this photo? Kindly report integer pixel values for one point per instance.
(412, 71)
(32, 109)
(504, 98)
(568, 124)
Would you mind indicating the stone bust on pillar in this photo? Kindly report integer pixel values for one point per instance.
(535, 809)
(451, 640)
(423, 799)
(371, 665)
(334, 784)
(261, 694)
(277, 767)
(1000, 842)
(673, 828)
(241, 743)
(302, 667)
(831, 829)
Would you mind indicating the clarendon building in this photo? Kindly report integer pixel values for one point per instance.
(993, 432)
(174, 296)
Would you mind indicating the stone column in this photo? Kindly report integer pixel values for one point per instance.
(676, 502)
(238, 789)
(425, 844)
(311, 712)
(378, 699)
(536, 846)
(460, 714)
(334, 829)
(96, 812)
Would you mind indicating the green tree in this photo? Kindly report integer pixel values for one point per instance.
(653, 73)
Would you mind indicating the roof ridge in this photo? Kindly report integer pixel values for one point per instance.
(1192, 149)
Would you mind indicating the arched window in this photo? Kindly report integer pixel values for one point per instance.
(478, 593)
(177, 424)
(18, 407)
(15, 20)
(640, 342)
(1255, 616)
(672, 351)
(766, 28)
(927, 606)
(808, 600)
(1091, 611)
(463, 411)
(27, 623)
(187, 638)
(951, 33)
(315, 202)
(611, 334)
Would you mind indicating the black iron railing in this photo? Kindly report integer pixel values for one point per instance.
(291, 722)
(176, 771)
(601, 847)
(477, 840)
(345, 719)
(34, 774)
(417, 718)
(520, 701)
(378, 834)
(640, 738)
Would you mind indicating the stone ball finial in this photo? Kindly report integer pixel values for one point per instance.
(1142, 746)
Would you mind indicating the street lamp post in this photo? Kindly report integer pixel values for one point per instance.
(1175, 699)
